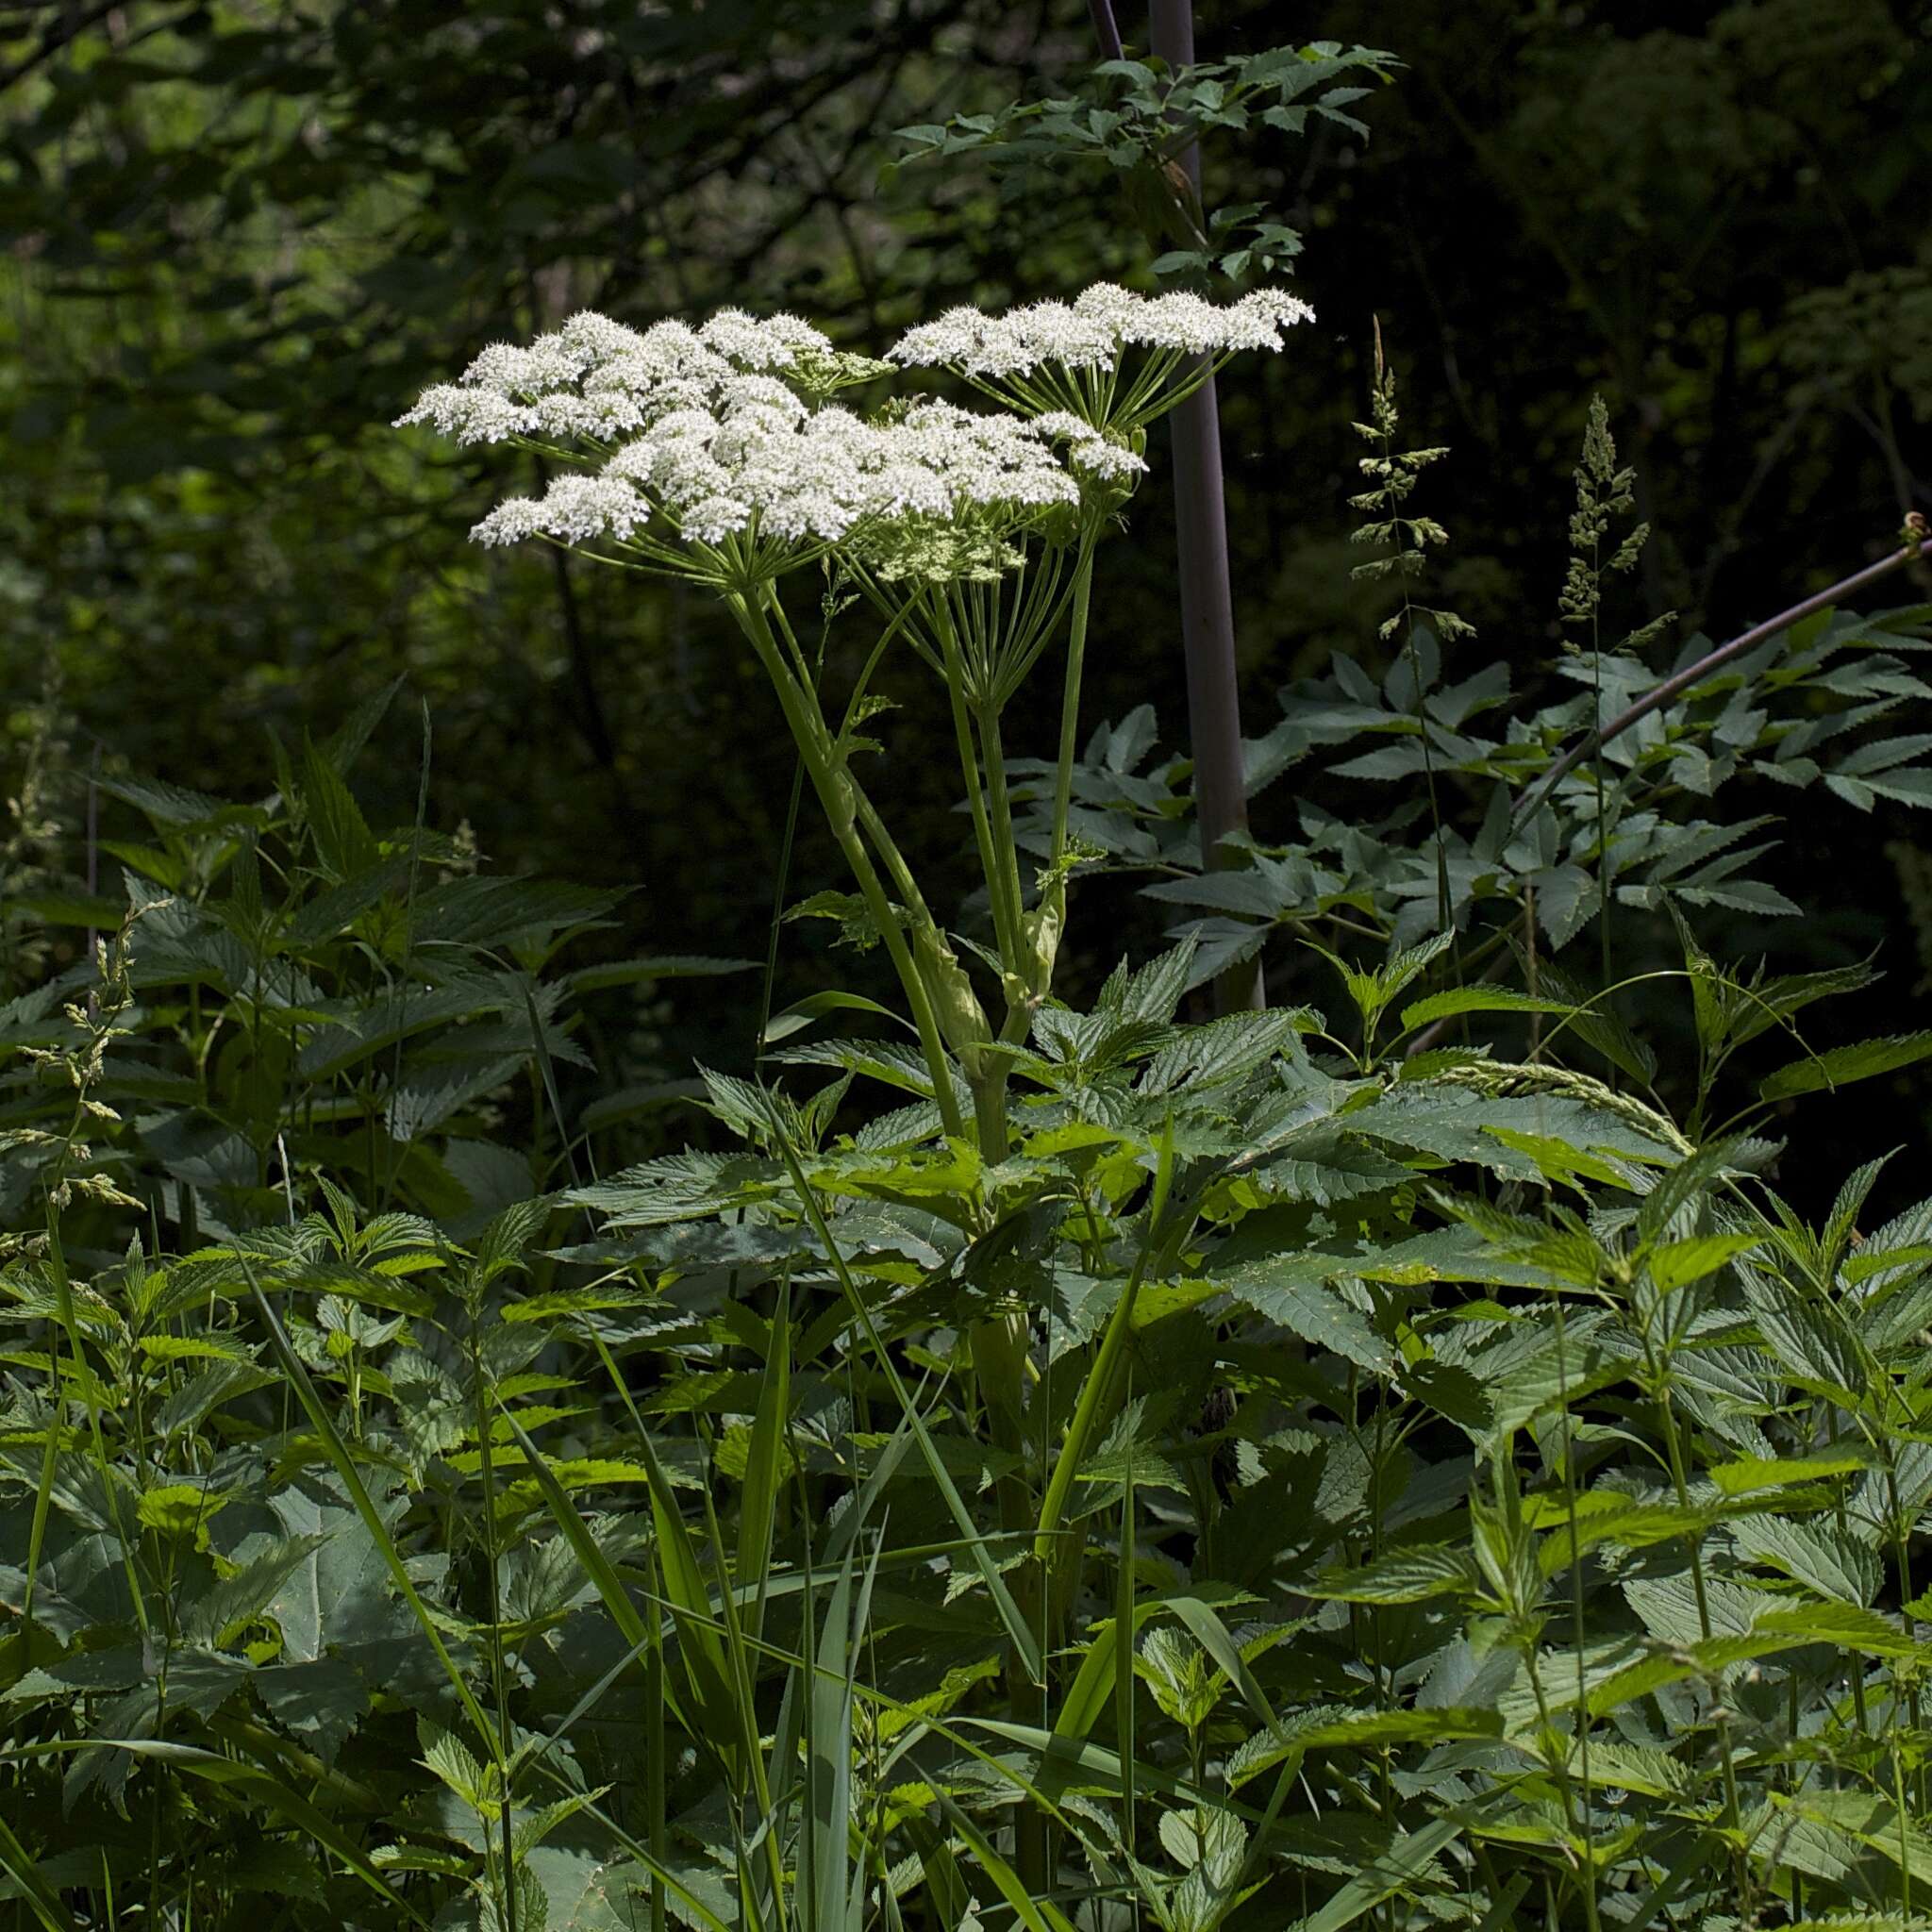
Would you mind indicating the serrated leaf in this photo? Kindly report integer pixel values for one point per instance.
(1816, 1554)
(1405, 1576)
(1476, 999)
(1311, 1309)
(1840, 1066)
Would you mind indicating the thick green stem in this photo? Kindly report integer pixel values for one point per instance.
(1006, 854)
(835, 796)
(1069, 698)
(1024, 959)
(1006, 934)
(990, 1112)
(867, 814)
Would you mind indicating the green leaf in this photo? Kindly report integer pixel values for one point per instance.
(1313, 1309)
(1677, 1264)
(798, 1016)
(485, 911)
(1816, 1554)
(1811, 1340)
(1841, 1626)
(344, 842)
(1558, 1160)
(1839, 1066)
(1752, 1473)
(1403, 1577)
(173, 804)
(1476, 999)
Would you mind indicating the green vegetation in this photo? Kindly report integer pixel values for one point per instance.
(877, 1381)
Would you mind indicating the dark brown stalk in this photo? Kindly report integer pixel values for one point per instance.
(1206, 591)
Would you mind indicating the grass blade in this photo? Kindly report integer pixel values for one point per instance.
(19, 1865)
(765, 1461)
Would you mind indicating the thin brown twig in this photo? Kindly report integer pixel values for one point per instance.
(1674, 686)
(1105, 29)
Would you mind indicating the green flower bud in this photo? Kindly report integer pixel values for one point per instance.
(1041, 929)
(962, 1018)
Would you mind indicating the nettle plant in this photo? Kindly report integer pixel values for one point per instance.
(1050, 1465)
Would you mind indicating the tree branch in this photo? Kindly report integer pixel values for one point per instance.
(69, 27)
(1105, 29)
(1674, 686)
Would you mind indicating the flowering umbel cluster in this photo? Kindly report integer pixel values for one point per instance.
(1111, 359)
(718, 452)
(1096, 329)
(723, 436)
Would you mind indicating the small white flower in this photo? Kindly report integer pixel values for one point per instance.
(1108, 304)
(510, 522)
(470, 415)
(1088, 449)
(713, 519)
(572, 510)
(595, 377)
(597, 339)
(774, 342)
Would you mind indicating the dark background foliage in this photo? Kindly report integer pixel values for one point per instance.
(239, 239)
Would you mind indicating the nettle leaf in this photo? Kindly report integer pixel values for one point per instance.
(1558, 1161)
(1840, 1066)
(1751, 1474)
(342, 839)
(1324, 1169)
(1766, 1632)
(1405, 1576)
(175, 804)
(1811, 1340)
(212, 1614)
(486, 911)
(1311, 1309)
(1476, 999)
(460, 1769)
(1816, 1554)
(1677, 1264)
(1154, 994)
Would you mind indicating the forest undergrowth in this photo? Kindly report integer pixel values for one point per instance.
(1017, 1453)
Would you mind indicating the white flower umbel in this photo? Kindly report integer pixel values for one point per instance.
(739, 479)
(595, 380)
(1112, 359)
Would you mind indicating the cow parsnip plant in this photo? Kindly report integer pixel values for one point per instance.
(1050, 1464)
